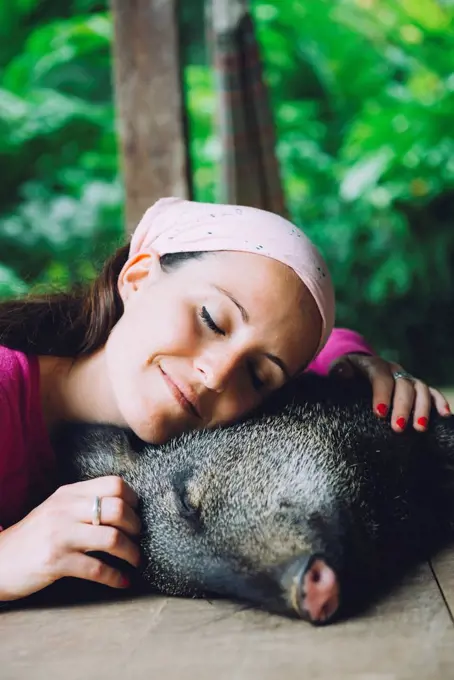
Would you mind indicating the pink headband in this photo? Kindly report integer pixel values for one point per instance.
(173, 225)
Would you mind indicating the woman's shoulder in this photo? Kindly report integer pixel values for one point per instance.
(15, 389)
(10, 357)
(26, 457)
(15, 365)
(18, 377)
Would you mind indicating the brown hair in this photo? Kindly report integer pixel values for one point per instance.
(75, 323)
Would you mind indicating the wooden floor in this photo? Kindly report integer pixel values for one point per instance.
(410, 635)
(407, 636)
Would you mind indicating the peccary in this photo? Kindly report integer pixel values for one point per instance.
(308, 508)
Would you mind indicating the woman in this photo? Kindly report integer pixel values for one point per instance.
(208, 311)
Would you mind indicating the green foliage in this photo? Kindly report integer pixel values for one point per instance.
(363, 95)
(60, 196)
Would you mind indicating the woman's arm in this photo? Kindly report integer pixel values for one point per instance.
(341, 341)
(347, 353)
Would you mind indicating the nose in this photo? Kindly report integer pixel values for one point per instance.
(216, 368)
(312, 588)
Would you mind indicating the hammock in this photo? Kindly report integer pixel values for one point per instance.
(249, 167)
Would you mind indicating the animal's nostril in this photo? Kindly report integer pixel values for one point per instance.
(316, 592)
(315, 573)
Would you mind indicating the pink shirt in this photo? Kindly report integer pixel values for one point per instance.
(26, 458)
(27, 462)
(341, 341)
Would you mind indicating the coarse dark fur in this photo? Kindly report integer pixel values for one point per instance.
(234, 511)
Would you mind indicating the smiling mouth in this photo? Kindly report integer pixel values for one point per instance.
(181, 398)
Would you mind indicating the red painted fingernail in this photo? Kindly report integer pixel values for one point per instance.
(401, 422)
(423, 422)
(382, 409)
(448, 408)
(125, 582)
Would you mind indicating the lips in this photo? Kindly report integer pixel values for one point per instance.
(184, 394)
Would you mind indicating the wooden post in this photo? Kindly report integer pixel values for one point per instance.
(150, 107)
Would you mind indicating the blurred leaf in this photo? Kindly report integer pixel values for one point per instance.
(365, 174)
(363, 100)
(10, 283)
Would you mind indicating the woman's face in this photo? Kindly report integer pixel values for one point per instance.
(203, 344)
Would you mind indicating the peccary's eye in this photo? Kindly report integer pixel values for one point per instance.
(189, 510)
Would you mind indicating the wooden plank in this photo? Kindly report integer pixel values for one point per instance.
(443, 564)
(150, 106)
(443, 568)
(407, 636)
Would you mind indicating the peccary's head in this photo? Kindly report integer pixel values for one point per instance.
(296, 510)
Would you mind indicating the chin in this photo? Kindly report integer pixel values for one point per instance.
(146, 432)
(156, 429)
(141, 427)
(154, 433)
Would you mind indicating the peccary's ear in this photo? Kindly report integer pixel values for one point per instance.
(85, 451)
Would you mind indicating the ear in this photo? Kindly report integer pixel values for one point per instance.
(143, 267)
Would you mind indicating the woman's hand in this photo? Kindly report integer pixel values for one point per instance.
(407, 393)
(52, 541)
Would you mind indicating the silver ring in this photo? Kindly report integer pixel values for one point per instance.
(96, 512)
(404, 375)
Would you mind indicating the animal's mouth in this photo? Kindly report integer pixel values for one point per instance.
(307, 589)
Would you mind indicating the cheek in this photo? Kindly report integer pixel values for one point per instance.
(234, 405)
(122, 360)
(158, 328)
(176, 332)
(132, 351)
(127, 342)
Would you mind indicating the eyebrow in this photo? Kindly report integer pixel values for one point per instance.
(244, 313)
(245, 316)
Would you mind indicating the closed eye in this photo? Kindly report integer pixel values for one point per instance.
(208, 321)
(257, 382)
(190, 511)
(188, 508)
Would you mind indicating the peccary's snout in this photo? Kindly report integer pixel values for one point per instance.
(311, 587)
